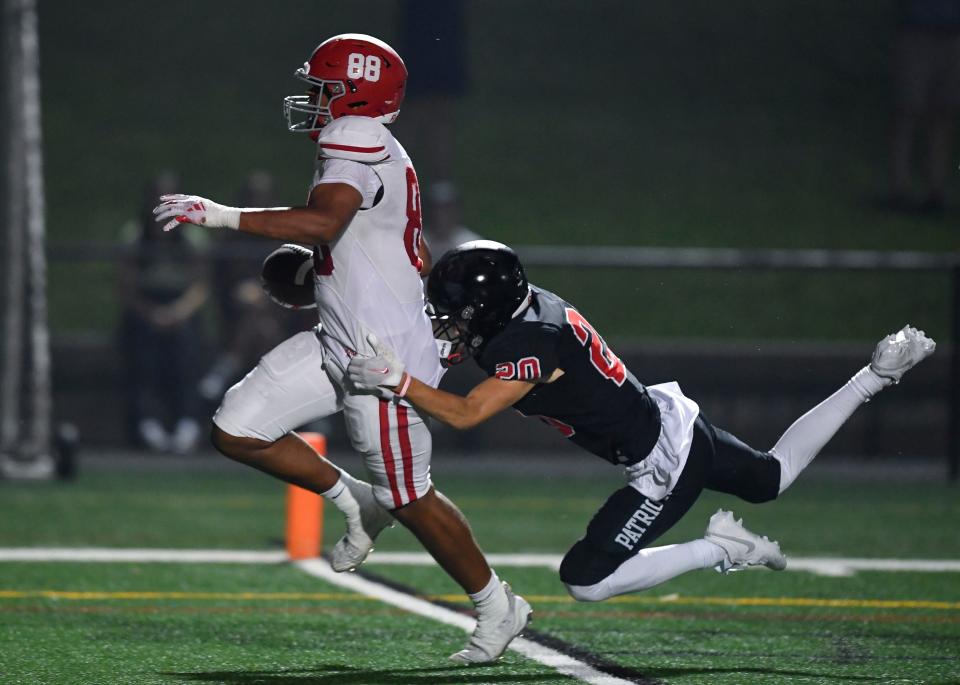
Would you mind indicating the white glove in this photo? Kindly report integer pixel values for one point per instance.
(381, 370)
(193, 209)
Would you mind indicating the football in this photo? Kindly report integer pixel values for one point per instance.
(287, 276)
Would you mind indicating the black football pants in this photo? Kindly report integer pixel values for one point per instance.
(629, 521)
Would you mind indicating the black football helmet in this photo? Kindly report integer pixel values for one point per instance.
(287, 277)
(472, 293)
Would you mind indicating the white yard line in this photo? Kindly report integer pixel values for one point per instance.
(543, 655)
(110, 554)
(824, 566)
(829, 566)
(551, 561)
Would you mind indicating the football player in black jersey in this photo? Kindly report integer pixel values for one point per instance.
(545, 360)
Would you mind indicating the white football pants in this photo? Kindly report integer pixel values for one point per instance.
(291, 387)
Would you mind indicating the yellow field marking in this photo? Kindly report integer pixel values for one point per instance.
(666, 600)
(743, 601)
(231, 596)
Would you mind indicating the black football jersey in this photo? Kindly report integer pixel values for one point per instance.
(597, 403)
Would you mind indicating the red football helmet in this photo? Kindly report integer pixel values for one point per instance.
(349, 74)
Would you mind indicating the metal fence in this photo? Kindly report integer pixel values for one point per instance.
(681, 258)
(767, 259)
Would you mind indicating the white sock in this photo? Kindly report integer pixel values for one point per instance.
(341, 497)
(492, 599)
(656, 565)
(802, 441)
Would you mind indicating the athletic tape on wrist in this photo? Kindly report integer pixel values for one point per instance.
(231, 218)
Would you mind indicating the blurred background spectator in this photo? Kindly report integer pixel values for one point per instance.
(592, 129)
(445, 229)
(249, 324)
(163, 286)
(927, 81)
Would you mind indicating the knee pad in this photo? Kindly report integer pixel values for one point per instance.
(288, 388)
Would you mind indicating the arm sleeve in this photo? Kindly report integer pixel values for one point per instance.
(355, 174)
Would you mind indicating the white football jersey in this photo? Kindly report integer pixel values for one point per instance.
(368, 281)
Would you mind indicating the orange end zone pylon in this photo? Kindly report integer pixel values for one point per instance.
(305, 512)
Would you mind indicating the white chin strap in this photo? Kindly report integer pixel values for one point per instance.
(444, 347)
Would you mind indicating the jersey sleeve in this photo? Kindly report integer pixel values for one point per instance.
(358, 139)
(360, 176)
(527, 352)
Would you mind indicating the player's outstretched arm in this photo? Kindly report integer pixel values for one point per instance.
(329, 211)
(487, 399)
(385, 370)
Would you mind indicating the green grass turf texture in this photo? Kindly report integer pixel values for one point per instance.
(744, 124)
(353, 640)
(240, 509)
(345, 640)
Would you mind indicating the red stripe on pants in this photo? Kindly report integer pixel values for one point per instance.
(387, 451)
(405, 452)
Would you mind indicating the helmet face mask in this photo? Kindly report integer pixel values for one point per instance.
(313, 109)
(349, 74)
(473, 292)
(454, 330)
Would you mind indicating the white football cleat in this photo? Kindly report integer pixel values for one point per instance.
(493, 633)
(901, 351)
(742, 547)
(351, 550)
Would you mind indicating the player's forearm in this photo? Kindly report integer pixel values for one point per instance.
(297, 224)
(454, 410)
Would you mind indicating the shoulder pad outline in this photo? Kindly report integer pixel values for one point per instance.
(358, 139)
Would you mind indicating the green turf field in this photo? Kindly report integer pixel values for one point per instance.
(272, 623)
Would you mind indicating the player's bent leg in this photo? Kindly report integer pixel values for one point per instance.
(614, 557)
(611, 559)
(289, 388)
(595, 568)
(648, 568)
(590, 573)
(353, 548)
(739, 469)
(893, 357)
(290, 459)
(293, 460)
(397, 447)
(444, 532)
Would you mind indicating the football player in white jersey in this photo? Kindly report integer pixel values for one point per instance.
(363, 216)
